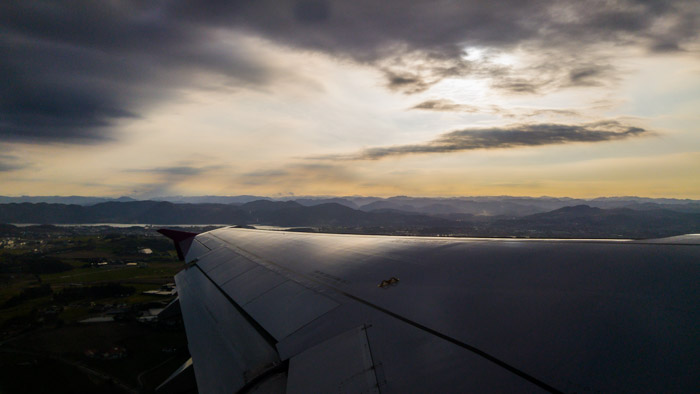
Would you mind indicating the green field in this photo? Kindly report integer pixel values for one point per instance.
(47, 285)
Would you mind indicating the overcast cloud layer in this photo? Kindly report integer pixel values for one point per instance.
(131, 97)
(71, 70)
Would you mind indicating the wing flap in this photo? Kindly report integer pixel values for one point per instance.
(341, 364)
(228, 348)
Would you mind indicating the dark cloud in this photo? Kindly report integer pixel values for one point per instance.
(590, 75)
(311, 11)
(549, 112)
(177, 171)
(514, 136)
(415, 71)
(406, 83)
(368, 30)
(665, 47)
(518, 85)
(72, 70)
(11, 163)
(581, 74)
(267, 174)
(446, 105)
(419, 43)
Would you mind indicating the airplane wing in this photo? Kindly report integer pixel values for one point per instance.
(270, 311)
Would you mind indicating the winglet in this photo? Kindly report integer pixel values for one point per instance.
(182, 240)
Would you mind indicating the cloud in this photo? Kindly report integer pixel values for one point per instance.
(72, 71)
(166, 179)
(446, 105)
(265, 175)
(418, 44)
(11, 163)
(550, 112)
(368, 30)
(301, 173)
(514, 136)
(589, 75)
(406, 83)
(181, 171)
(311, 11)
(518, 85)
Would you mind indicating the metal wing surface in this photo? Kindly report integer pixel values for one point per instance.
(269, 311)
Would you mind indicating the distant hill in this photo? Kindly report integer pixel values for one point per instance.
(434, 206)
(153, 212)
(210, 199)
(77, 200)
(587, 221)
(278, 213)
(519, 206)
(8, 230)
(568, 222)
(308, 202)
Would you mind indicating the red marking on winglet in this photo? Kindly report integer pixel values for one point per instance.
(182, 240)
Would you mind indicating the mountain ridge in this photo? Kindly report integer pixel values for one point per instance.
(434, 206)
(571, 221)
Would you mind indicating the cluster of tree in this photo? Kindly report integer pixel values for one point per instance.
(69, 294)
(120, 244)
(35, 265)
(27, 294)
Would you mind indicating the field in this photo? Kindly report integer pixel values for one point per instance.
(53, 278)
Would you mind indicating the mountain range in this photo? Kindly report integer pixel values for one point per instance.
(641, 219)
(480, 205)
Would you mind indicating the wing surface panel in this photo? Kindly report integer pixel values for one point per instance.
(196, 249)
(228, 267)
(211, 259)
(209, 241)
(288, 307)
(279, 304)
(253, 283)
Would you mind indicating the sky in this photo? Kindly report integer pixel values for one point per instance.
(313, 97)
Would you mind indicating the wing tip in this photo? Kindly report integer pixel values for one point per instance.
(181, 239)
